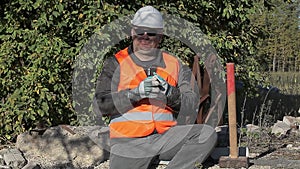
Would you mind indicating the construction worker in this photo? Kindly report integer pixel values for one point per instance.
(143, 89)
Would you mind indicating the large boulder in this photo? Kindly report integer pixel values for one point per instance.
(77, 147)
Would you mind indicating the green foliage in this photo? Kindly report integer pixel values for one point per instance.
(43, 42)
(35, 68)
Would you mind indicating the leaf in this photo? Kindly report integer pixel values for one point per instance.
(55, 13)
(45, 106)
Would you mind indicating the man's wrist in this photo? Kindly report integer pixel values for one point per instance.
(133, 95)
(173, 95)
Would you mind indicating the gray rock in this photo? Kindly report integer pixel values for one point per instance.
(5, 167)
(13, 157)
(251, 128)
(61, 145)
(31, 165)
(2, 151)
(280, 129)
(293, 122)
(100, 135)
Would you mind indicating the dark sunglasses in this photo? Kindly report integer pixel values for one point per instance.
(142, 32)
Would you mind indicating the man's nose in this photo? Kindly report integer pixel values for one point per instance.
(145, 36)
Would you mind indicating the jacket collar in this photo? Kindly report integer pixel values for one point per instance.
(157, 62)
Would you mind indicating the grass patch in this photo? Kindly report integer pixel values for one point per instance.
(287, 82)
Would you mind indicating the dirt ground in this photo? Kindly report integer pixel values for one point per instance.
(270, 152)
(276, 152)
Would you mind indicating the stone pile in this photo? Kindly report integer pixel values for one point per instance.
(281, 128)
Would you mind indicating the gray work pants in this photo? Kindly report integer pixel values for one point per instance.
(186, 146)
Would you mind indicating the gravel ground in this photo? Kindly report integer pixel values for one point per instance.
(265, 152)
(265, 165)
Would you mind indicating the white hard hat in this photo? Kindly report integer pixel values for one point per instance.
(148, 17)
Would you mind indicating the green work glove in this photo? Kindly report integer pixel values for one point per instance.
(171, 93)
(148, 88)
(164, 86)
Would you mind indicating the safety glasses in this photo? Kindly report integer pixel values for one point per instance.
(149, 32)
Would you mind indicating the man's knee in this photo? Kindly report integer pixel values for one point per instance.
(205, 133)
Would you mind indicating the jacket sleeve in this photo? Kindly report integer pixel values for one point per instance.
(109, 100)
(187, 103)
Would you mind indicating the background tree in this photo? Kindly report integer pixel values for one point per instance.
(278, 21)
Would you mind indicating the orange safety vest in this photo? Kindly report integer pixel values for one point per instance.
(150, 114)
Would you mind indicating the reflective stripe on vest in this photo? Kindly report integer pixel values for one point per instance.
(140, 116)
(133, 116)
(144, 119)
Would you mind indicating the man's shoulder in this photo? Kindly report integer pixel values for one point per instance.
(110, 62)
(171, 56)
(124, 51)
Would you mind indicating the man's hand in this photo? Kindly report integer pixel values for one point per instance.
(164, 86)
(148, 88)
(155, 87)
(171, 93)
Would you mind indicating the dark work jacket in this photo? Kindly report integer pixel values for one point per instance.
(184, 99)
